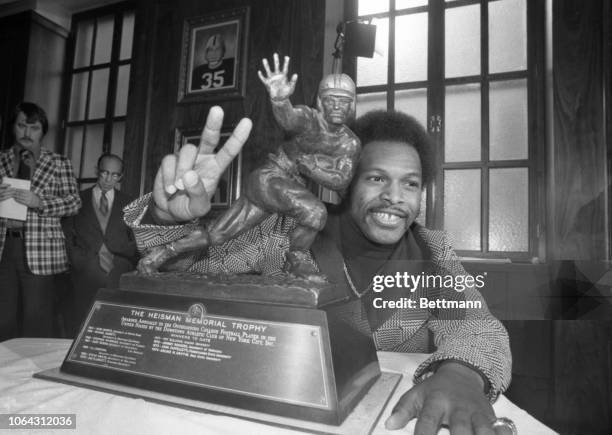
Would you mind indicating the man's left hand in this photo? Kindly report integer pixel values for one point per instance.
(452, 397)
(27, 198)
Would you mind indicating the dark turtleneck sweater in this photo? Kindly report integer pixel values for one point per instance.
(364, 259)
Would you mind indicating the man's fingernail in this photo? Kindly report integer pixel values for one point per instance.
(170, 189)
(390, 422)
(179, 184)
(190, 179)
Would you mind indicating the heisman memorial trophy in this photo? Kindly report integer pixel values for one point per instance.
(285, 345)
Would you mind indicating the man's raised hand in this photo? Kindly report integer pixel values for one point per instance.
(186, 181)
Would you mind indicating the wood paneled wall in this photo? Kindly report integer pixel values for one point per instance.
(14, 39)
(579, 147)
(581, 370)
(289, 27)
(582, 375)
(607, 62)
(33, 49)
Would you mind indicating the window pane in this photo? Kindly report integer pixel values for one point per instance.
(411, 48)
(507, 35)
(462, 41)
(118, 138)
(509, 209)
(372, 6)
(78, 96)
(92, 149)
(508, 120)
(422, 217)
(374, 71)
(413, 102)
(123, 85)
(462, 207)
(403, 4)
(82, 49)
(127, 36)
(367, 102)
(462, 123)
(74, 147)
(104, 39)
(99, 93)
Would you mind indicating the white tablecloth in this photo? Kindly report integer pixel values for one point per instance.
(104, 413)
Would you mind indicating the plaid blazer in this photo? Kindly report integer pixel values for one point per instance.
(470, 336)
(53, 181)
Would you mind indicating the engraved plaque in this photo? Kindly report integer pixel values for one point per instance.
(219, 352)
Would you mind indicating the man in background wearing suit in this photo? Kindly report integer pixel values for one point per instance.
(100, 246)
(33, 251)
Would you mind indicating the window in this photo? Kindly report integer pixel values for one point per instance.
(467, 70)
(100, 59)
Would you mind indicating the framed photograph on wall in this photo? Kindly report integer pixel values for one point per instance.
(213, 56)
(229, 184)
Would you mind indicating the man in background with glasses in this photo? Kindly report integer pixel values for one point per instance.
(100, 246)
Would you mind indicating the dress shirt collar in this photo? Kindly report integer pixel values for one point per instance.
(110, 196)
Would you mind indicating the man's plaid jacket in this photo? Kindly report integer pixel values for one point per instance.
(54, 182)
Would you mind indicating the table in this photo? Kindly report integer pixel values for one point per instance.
(103, 413)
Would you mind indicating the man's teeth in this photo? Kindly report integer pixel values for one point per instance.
(387, 218)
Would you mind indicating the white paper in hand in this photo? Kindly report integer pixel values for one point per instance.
(10, 208)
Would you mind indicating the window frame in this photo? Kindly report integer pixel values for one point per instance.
(117, 10)
(436, 84)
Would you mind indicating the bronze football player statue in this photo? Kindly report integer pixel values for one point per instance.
(321, 148)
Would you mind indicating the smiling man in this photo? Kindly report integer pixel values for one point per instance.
(33, 251)
(392, 167)
(372, 233)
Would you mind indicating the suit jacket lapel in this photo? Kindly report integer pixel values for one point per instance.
(43, 172)
(327, 255)
(89, 212)
(6, 163)
(116, 209)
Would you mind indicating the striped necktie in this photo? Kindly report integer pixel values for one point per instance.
(105, 256)
(103, 204)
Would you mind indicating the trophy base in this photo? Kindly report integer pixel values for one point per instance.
(263, 344)
(362, 420)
